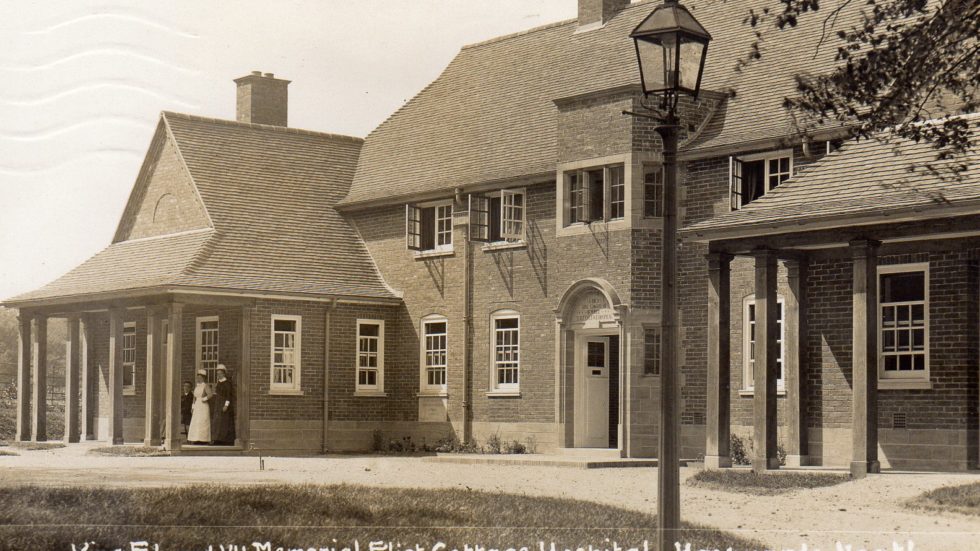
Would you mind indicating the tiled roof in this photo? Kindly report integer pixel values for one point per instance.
(875, 179)
(490, 115)
(270, 193)
(128, 265)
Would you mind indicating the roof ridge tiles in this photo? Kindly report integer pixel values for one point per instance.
(285, 129)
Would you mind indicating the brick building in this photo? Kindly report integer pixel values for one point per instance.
(486, 262)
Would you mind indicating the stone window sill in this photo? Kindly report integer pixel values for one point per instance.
(370, 394)
(129, 391)
(904, 384)
(433, 394)
(504, 245)
(748, 392)
(582, 228)
(286, 392)
(434, 253)
(504, 394)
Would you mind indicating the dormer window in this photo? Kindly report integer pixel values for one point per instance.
(429, 227)
(752, 176)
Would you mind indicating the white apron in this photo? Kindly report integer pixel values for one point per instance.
(200, 427)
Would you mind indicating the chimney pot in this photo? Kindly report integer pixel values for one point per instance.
(262, 99)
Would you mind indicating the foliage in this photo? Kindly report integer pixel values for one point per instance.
(906, 64)
(741, 451)
(452, 444)
(8, 414)
(8, 453)
(129, 451)
(312, 516)
(963, 499)
(741, 454)
(493, 444)
(37, 446)
(742, 481)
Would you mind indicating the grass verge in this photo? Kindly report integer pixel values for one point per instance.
(129, 451)
(33, 517)
(37, 446)
(8, 452)
(740, 481)
(963, 499)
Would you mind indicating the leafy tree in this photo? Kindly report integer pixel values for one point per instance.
(57, 335)
(902, 64)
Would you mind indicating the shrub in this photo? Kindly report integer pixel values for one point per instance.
(494, 444)
(377, 441)
(741, 451)
(451, 444)
(515, 447)
(532, 444)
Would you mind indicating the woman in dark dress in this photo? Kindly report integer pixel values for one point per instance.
(223, 417)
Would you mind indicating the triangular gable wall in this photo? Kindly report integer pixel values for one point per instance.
(164, 200)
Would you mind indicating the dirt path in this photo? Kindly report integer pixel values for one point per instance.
(866, 513)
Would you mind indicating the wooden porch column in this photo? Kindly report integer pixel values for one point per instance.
(115, 376)
(24, 365)
(73, 360)
(244, 378)
(718, 452)
(86, 338)
(39, 398)
(864, 364)
(174, 326)
(151, 430)
(795, 362)
(766, 371)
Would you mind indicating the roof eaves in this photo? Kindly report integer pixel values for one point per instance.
(696, 153)
(742, 230)
(525, 180)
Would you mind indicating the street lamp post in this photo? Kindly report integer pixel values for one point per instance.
(671, 47)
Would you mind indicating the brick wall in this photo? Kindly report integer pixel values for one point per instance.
(599, 11)
(952, 401)
(167, 200)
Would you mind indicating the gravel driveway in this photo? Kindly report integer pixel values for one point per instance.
(866, 513)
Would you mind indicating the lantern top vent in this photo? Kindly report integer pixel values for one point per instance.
(670, 17)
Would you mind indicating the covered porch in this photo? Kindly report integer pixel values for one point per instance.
(859, 319)
(126, 360)
(801, 279)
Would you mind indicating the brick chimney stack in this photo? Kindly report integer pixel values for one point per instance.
(262, 99)
(594, 13)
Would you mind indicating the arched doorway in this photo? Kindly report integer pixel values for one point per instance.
(591, 366)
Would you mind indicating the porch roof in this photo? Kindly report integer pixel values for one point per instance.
(881, 180)
(127, 266)
(269, 194)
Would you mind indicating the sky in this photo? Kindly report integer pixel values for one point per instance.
(82, 83)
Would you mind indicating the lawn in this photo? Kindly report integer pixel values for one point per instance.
(33, 517)
(129, 451)
(963, 499)
(743, 481)
(37, 446)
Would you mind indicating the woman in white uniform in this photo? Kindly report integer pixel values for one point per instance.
(199, 431)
